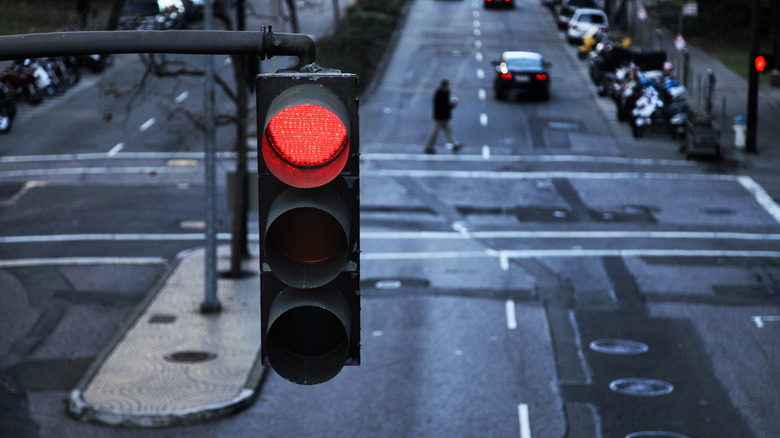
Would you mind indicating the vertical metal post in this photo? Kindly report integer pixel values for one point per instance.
(752, 109)
(211, 303)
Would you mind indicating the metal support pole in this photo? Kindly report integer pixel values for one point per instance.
(752, 109)
(210, 303)
(264, 43)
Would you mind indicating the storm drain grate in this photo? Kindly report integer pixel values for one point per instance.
(624, 347)
(656, 434)
(641, 387)
(190, 356)
(162, 318)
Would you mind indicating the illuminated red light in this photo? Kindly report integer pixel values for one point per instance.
(506, 75)
(306, 135)
(760, 63)
(541, 77)
(305, 145)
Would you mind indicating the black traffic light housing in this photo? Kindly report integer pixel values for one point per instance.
(309, 227)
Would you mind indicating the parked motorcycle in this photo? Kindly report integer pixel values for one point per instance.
(20, 80)
(7, 109)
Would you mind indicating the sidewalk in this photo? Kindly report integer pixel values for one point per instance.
(730, 100)
(174, 365)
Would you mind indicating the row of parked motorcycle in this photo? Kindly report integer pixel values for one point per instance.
(33, 80)
(646, 93)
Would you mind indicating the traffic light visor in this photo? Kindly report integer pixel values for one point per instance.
(305, 140)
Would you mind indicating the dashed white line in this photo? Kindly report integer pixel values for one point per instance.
(481, 94)
(525, 421)
(115, 150)
(760, 321)
(511, 316)
(483, 119)
(478, 56)
(147, 124)
(480, 73)
(182, 97)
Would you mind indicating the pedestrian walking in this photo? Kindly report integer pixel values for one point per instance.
(443, 104)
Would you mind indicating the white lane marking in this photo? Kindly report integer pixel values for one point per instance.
(480, 73)
(115, 150)
(559, 253)
(761, 196)
(477, 32)
(477, 44)
(525, 421)
(182, 97)
(485, 152)
(483, 119)
(525, 158)
(481, 94)
(102, 156)
(54, 238)
(147, 124)
(460, 233)
(503, 261)
(79, 171)
(82, 261)
(478, 56)
(511, 316)
(514, 234)
(365, 157)
(760, 321)
(517, 175)
(476, 24)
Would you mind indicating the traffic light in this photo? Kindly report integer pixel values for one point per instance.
(763, 62)
(308, 173)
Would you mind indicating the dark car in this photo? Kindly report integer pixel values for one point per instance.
(526, 72)
(499, 3)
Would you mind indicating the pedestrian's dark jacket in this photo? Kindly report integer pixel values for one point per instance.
(442, 108)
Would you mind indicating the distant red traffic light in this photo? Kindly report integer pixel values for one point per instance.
(760, 63)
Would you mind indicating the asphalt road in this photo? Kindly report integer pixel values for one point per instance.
(494, 281)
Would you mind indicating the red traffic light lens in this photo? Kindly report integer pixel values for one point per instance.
(306, 145)
(760, 63)
(306, 135)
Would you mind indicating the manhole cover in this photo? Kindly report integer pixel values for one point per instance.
(162, 318)
(619, 346)
(641, 387)
(190, 356)
(656, 434)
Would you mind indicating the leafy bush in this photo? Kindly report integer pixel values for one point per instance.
(362, 37)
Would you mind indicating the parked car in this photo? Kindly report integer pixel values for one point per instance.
(525, 72)
(565, 11)
(499, 3)
(583, 20)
